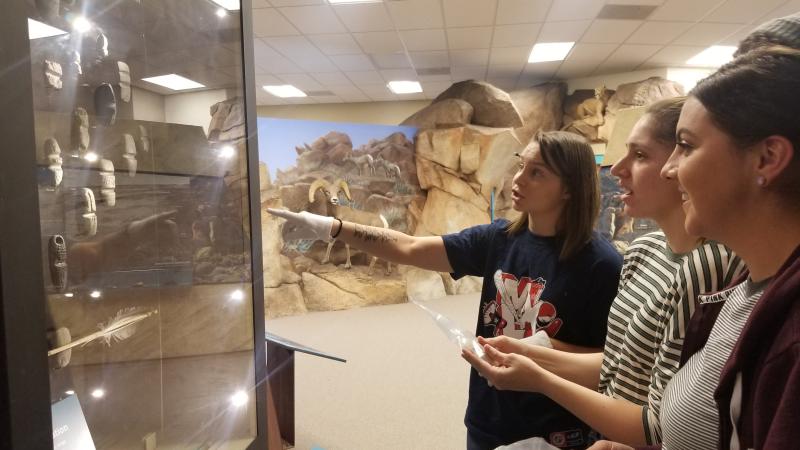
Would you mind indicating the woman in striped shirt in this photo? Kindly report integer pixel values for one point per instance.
(662, 275)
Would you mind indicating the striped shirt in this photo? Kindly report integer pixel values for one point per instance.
(647, 323)
(689, 416)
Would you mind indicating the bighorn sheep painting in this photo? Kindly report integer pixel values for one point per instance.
(331, 192)
(365, 163)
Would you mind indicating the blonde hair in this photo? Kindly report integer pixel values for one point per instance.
(570, 157)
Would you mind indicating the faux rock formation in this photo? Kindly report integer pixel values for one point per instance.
(347, 289)
(637, 94)
(446, 113)
(445, 213)
(423, 285)
(584, 114)
(492, 107)
(540, 107)
(227, 121)
(284, 300)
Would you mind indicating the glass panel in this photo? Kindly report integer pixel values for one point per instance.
(145, 222)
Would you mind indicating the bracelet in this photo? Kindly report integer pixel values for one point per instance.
(341, 225)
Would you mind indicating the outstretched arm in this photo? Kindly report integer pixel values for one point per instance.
(426, 252)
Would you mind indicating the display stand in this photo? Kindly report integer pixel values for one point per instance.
(280, 388)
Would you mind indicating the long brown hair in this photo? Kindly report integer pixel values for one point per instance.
(571, 158)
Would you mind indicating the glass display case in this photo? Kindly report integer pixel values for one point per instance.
(131, 189)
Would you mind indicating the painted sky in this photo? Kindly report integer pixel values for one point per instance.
(277, 138)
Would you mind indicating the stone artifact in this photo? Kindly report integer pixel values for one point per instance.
(105, 104)
(53, 75)
(144, 139)
(101, 47)
(58, 339)
(86, 212)
(108, 182)
(334, 209)
(129, 154)
(57, 253)
(54, 161)
(124, 81)
(80, 131)
(73, 68)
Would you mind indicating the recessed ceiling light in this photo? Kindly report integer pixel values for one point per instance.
(173, 82)
(340, 2)
(284, 91)
(95, 294)
(405, 87)
(239, 398)
(230, 5)
(226, 152)
(38, 30)
(549, 51)
(713, 56)
(221, 13)
(98, 393)
(81, 24)
(91, 156)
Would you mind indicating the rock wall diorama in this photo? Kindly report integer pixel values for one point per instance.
(456, 173)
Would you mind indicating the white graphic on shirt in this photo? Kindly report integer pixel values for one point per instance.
(517, 303)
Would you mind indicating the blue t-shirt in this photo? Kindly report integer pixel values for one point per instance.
(526, 289)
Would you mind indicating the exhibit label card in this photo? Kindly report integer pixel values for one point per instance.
(70, 431)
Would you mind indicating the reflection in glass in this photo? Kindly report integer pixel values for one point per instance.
(145, 221)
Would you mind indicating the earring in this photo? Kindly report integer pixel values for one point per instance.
(761, 181)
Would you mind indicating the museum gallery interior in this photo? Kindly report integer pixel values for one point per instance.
(149, 301)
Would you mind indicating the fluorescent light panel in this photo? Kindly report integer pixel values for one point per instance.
(405, 87)
(230, 5)
(284, 91)
(549, 51)
(713, 56)
(174, 82)
(37, 30)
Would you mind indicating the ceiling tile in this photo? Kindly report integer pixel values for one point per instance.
(683, 10)
(509, 56)
(355, 97)
(504, 71)
(379, 42)
(378, 92)
(434, 88)
(270, 61)
(328, 99)
(269, 22)
(469, 13)
(603, 31)
(741, 11)
(735, 38)
(344, 89)
(366, 17)
(416, 14)
(260, 4)
(503, 83)
(544, 71)
(313, 19)
(390, 60)
(563, 10)
(365, 77)
(464, 38)
(399, 74)
(672, 55)
(435, 78)
(522, 11)
(352, 62)
(302, 52)
(426, 60)
(706, 34)
(563, 31)
(583, 59)
(658, 32)
(468, 73)
(627, 57)
(329, 79)
(301, 81)
(516, 35)
(335, 44)
(422, 40)
(263, 80)
(471, 57)
(788, 8)
(300, 100)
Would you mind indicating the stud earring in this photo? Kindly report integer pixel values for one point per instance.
(761, 181)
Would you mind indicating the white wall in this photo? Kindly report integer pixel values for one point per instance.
(147, 105)
(192, 108)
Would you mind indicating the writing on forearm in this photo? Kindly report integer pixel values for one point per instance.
(371, 235)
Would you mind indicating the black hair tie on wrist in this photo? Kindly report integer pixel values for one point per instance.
(341, 225)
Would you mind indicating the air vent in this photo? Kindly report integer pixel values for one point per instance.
(434, 71)
(626, 12)
(319, 93)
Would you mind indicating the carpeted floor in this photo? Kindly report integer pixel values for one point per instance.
(404, 385)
